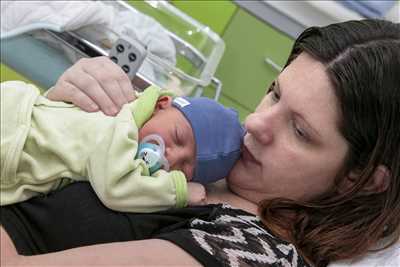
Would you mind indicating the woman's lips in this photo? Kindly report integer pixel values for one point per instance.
(247, 156)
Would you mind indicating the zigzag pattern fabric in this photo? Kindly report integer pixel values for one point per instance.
(239, 239)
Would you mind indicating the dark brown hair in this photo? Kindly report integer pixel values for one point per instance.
(362, 60)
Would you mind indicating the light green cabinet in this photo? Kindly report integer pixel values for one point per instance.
(244, 70)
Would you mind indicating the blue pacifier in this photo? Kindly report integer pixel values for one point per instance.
(151, 150)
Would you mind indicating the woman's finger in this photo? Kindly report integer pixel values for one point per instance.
(127, 89)
(124, 82)
(109, 83)
(81, 100)
(115, 71)
(65, 91)
(112, 79)
(89, 86)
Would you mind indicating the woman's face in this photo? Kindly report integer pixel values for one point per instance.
(293, 147)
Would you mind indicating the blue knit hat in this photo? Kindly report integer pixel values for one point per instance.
(218, 135)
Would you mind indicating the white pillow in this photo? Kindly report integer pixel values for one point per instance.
(389, 257)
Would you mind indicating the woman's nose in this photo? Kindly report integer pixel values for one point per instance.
(259, 125)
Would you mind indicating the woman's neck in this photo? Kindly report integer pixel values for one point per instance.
(219, 193)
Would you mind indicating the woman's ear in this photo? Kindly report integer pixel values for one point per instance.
(163, 102)
(378, 183)
(380, 180)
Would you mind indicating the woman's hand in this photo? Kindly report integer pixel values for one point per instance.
(94, 84)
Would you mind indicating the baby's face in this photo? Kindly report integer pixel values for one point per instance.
(180, 147)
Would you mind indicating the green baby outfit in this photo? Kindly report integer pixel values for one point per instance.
(46, 145)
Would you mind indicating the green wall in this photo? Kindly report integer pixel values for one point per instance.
(214, 13)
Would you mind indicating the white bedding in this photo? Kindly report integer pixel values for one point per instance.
(389, 257)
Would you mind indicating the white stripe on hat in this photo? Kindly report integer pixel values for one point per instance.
(181, 102)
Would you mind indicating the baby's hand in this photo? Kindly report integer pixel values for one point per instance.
(196, 194)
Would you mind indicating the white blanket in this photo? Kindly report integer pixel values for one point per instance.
(20, 16)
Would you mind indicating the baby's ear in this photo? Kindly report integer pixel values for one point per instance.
(163, 102)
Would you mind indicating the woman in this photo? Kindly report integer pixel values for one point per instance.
(320, 166)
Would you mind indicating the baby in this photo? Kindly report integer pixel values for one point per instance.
(46, 145)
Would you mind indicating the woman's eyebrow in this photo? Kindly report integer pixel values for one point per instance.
(297, 114)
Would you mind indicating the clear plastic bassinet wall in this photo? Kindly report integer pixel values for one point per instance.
(198, 48)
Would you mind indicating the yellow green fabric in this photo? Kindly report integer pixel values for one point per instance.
(45, 145)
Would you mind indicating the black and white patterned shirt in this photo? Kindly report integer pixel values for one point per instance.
(233, 237)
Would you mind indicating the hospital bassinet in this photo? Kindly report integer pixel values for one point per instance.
(198, 51)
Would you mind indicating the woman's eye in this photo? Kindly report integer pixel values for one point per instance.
(275, 96)
(274, 92)
(270, 88)
(300, 132)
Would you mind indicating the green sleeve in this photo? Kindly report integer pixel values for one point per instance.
(180, 185)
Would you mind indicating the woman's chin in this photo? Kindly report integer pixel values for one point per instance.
(244, 172)
(241, 177)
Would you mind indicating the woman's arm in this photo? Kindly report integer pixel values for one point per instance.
(135, 253)
(8, 253)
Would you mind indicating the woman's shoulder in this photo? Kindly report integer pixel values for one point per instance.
(234, 237)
